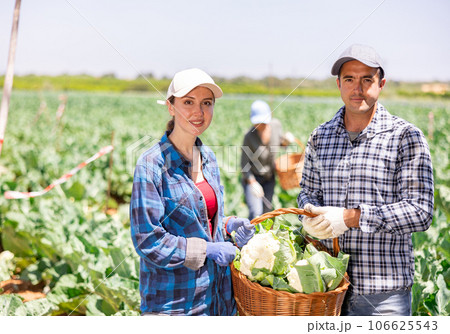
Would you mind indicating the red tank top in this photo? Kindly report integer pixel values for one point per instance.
(210, 200)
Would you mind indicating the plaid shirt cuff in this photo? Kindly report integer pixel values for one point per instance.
(195, 253)
(368, 219)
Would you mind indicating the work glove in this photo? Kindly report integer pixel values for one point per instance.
(223, 253)
(328, 224)
(256, 189)
(289, 137)
(243, 228)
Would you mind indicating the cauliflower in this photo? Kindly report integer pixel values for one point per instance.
(305, 276)
(277, 256)
(6, 265)
(259, 253)
(294, 279)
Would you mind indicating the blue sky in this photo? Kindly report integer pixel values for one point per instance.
(226, 38)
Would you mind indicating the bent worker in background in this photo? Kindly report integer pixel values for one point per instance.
(259, 149)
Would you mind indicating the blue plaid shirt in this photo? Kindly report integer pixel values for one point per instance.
(387, 173)
(169, 229)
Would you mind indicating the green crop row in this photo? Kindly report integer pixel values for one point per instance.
(83, 253)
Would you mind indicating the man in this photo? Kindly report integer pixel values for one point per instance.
(368, 176)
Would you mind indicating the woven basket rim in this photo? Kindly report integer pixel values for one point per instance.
(293, 154)
(292, 166)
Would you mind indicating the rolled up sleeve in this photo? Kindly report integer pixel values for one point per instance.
(195, 253)
(414, 180)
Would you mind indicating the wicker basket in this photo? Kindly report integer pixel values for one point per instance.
(255, 299)
(289, 168)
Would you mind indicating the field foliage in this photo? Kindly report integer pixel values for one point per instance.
(83, 252)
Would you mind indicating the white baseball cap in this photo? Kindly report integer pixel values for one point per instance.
(185, 81)
(260, 112)
(363, 53)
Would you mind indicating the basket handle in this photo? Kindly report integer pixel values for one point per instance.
(297, 211)
(299, 143)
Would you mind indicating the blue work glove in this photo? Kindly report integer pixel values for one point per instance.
(223, 253)
(243, 228)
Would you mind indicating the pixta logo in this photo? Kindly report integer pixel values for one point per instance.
(135, 150)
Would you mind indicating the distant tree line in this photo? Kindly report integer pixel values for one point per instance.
(269, 85)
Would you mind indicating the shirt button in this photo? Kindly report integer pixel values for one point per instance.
(201, 198)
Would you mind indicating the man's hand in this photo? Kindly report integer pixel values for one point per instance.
(328, 224)
(289, 137)
(256, 189)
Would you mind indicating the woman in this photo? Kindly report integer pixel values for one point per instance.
(259, 150)
(178, 225)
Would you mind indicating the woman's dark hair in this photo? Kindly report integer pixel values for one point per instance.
(171, 124)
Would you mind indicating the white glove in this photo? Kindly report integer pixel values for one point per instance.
(289, 137)
(256, 189)
(328, 224)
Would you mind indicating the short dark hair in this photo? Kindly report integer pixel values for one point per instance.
(380, 73)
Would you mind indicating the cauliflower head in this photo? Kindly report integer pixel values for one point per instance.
(294, 279)
(259, 253)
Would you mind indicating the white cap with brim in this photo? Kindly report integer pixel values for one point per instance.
(185, 81)
(260, 113)
(362, 53)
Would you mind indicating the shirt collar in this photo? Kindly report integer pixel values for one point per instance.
(381, 121)
(174, 158)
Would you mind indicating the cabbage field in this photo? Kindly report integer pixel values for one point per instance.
(73, 243)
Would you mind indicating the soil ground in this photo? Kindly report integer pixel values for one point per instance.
(24, 289)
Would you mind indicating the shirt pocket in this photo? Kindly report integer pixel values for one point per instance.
(180, 217)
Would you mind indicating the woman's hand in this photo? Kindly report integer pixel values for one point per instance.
(223, 253)
(243, 228)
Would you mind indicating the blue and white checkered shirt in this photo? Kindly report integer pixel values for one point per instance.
(169, 229)
(387, 173)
